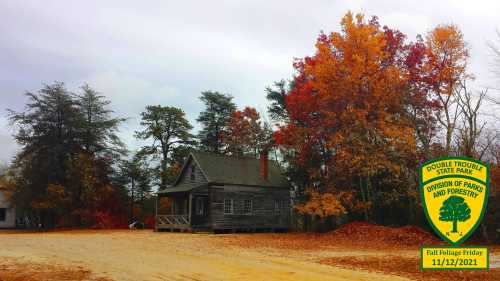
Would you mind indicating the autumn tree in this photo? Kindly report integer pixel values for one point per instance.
(246, 134)
(323, 205)
(421, 106)
(445, 70)
(167, 128)
(349, 127)
(218, 110)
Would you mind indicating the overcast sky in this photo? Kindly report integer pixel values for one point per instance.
(167, 52)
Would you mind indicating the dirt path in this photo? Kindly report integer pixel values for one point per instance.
(145, 255)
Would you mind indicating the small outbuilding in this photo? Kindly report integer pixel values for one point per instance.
(224, 193)
(7, 212)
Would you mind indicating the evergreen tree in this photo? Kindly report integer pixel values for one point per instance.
(47, 131)
(277, 97)
(136, 176)
(98, 127)
(218, 110)
(61, 174)
(167, 128)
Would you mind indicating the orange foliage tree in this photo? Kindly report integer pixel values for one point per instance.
(445, 70)
(246, 134)
(353, 112)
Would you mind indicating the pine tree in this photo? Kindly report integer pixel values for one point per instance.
(167, 128)
(218, 110)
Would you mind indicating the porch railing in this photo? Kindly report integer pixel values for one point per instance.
(172, 220)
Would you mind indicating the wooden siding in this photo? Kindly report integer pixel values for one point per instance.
(263, 207)
(186, 174)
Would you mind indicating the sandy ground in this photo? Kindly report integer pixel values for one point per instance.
(146, 255)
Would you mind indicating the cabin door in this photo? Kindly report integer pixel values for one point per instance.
(200, 210)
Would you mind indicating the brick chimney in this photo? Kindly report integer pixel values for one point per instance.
(264, 164)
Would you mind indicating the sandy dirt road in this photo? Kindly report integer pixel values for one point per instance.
(145, 255)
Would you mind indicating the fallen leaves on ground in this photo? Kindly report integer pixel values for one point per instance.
(359, 235)
(384, 235)
(18, 270)
(408, 267)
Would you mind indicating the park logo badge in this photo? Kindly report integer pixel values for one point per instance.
(454, 193)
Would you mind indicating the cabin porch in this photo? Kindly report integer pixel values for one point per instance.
(180, 210)
(173, 212)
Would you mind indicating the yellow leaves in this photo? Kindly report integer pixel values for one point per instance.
(42, 205)
(56, 194)
(360, 206)
(322, 205)
(56, 190)
(7, 187)
(85, 168)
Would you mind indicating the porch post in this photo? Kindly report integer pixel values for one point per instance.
(156, 211)
(190, 206)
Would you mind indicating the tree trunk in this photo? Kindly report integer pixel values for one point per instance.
(454, 230)
(484, 232)
(369, 197)
(363, 197)
(132, 201)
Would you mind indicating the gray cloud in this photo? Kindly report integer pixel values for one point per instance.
(167, 52)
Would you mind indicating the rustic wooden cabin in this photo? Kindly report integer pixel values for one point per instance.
(223, 193)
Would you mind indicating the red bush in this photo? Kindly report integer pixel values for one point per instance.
(106, 220)
(149, 222)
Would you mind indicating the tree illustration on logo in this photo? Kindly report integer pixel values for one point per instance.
(454, 209)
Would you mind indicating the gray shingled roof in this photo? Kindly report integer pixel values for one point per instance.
(238, 170)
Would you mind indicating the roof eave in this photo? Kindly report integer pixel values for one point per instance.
(252, 185)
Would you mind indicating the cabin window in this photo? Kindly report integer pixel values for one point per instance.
(277, 208)
(3, 214)
(200, 206)
(228, 206)
(284, 205)
(193, 174)
(280, 206)
(247, 207)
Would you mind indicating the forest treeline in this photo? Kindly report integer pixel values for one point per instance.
(349, 129)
